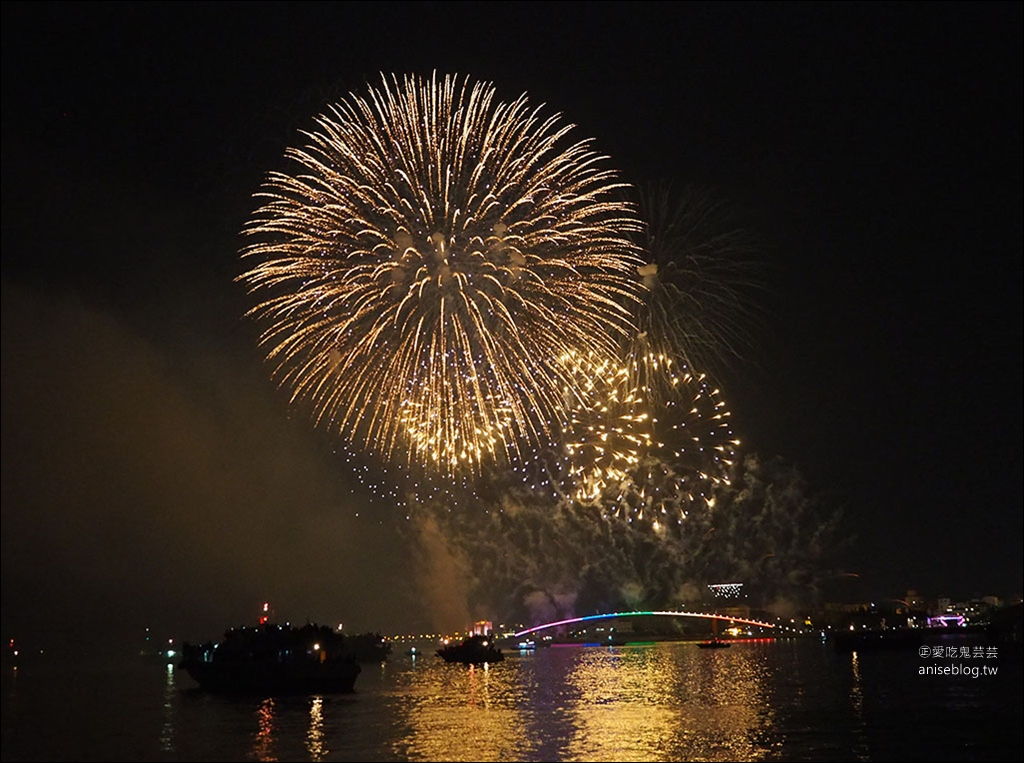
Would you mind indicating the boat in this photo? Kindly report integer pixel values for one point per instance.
(277, 659)
(162, 657)
(475, 650)
(714, 644)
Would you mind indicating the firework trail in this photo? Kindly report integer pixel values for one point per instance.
(702, 276)
(428, 257)
(531, 560)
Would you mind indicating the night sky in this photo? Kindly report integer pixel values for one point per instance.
(152, 472)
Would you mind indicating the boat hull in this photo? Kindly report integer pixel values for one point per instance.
(331, 677)
(714, 645)
(472, 651)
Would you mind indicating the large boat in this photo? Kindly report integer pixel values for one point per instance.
(475, 650)
(274, 658)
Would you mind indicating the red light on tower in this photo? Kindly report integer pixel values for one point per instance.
(266, 613)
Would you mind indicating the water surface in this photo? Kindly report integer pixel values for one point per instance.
(783, 700)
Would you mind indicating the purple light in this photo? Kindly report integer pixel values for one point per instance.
(944, 621)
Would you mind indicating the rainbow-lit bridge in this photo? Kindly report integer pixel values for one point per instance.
(611, 615)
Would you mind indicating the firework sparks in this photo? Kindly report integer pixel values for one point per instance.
(641, 456)
(430, 256)
(702, 276)
(608, 429)
(571, 557)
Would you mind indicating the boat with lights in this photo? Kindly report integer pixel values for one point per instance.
(272, 658)
(475, 650)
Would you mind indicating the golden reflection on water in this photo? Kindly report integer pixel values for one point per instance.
(457, 713)
(671, 702)
(315, 735)
(652, 702)
(263, 740)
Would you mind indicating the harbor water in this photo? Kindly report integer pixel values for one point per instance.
(785, 700)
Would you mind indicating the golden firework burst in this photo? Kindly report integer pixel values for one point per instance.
(640, 455)
(426, 261)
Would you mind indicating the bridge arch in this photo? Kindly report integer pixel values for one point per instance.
(660, 613)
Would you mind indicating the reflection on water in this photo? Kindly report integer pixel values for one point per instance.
(454, 712)
(315, 736)
(263, 740)
(650, 702)
(795, 700)
(857, 706)
(170, 702)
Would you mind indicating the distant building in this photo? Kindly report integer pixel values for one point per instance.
(481, 628)
(742, 611)
(915, 600)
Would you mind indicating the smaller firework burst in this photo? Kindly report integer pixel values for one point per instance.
(609, 427)
(640, 456)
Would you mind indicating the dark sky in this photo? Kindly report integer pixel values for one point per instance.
(152, 473)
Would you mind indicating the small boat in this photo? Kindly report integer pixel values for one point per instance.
(475, 650)
(715, 644)
(162, 658)
(277, 659)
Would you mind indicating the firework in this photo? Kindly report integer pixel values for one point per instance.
(609, 427)
(529, 560)
(701, 275)
(428, 258)
(638, 455)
